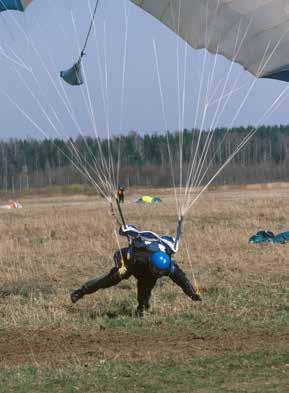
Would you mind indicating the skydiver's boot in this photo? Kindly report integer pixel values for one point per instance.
(139, 312)
(141, 309)
(106, 281)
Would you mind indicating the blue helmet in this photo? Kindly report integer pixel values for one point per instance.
(160, 263)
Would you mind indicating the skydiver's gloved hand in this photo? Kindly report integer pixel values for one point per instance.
(122, 230)
(197, 297)
(76, 295)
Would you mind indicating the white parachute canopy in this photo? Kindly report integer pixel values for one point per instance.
(253, 33)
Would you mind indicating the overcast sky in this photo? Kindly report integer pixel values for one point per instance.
(37, 45)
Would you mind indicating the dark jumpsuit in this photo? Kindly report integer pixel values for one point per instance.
(135, 262)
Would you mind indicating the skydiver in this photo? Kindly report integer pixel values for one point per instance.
(148, 258)
(120, 194)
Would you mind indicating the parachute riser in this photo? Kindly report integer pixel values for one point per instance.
(179, 231)
(122, 217)
(114, 215)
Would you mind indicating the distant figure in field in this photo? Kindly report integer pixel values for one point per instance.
(148, 258)
(120, 194)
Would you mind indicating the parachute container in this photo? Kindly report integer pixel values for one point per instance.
(73, 76)
(17, 5)
(253, 33)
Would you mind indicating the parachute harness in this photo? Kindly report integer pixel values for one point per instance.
(179, 232)
(123, 269)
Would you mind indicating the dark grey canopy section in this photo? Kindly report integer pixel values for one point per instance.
(73, 76)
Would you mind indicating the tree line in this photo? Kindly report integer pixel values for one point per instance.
(148, 160)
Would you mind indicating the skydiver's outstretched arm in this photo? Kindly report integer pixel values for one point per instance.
(180, 278)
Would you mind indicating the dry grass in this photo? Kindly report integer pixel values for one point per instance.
(49, 248)
(52, 246)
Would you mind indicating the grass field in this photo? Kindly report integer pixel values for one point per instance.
(236, 340)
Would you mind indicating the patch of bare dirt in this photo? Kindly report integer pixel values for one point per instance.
(48, 347)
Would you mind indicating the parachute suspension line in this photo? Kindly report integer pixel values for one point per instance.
(243, 103)
(16, 61)
(197, 180)
(191, 148)
(181, 139)
(179, 98)
(276, 104)
(53, 84)
(110, 159)
(82, 53)
(11, 16)
(181, 101)
(98, 171)
(196, 284)
(261, 68)
(88, 103)
(193, 172)
(105, 164)
(106, 168)
(230, 93)
(40, 105)
(80, 164)
(123, 66)
(181, 108)
(29, 118)
(192, 166)
(193, 180)
(166, 125)
(197, 110)
(68, 106)
(268, 113)
(122, 98)
(199, 176)
(216, 116)
(21, 61)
